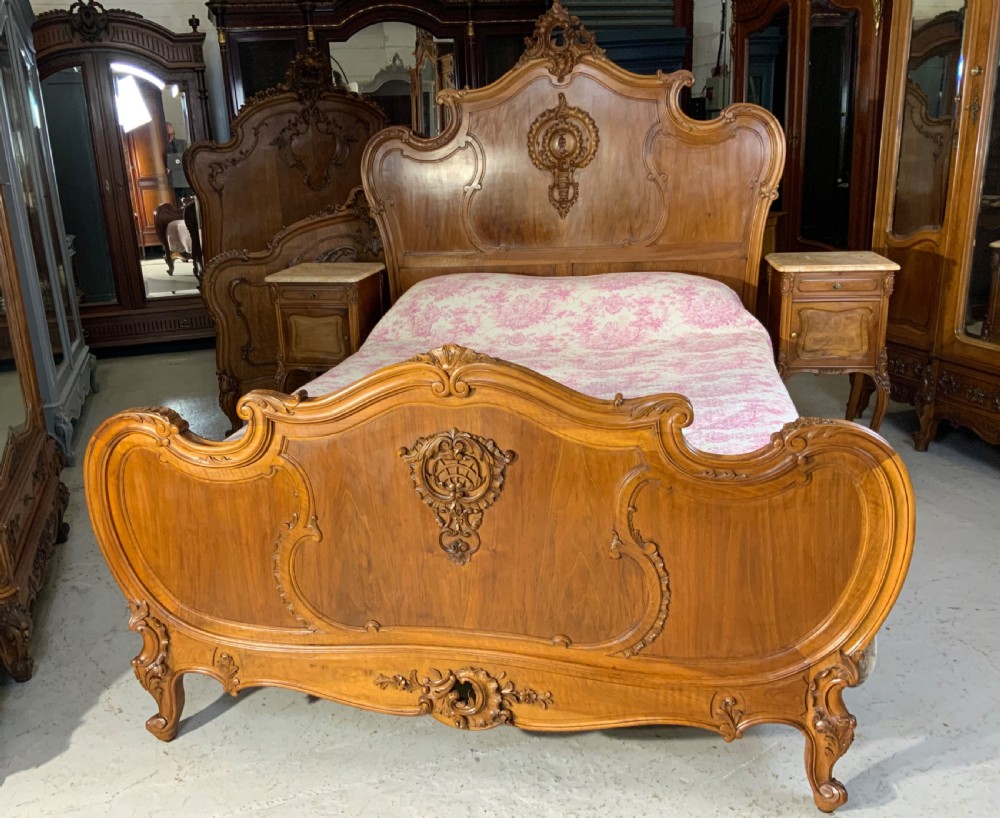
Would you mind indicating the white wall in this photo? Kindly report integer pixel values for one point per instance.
(174, 14)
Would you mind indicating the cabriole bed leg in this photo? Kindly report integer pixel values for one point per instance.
(829, 729)
(154, 673)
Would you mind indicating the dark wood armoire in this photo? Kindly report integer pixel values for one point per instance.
(819, 66)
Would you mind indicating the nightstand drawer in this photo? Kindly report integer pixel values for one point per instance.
(837, 286)
(335, 294)
(837, 334)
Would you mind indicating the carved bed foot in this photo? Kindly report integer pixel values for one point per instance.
(829, 730)
(229, 394)
(154, 673)
(170, 697)
(15, 633)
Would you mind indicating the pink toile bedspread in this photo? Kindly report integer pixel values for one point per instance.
(635, 333)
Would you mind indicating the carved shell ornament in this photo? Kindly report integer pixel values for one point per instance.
(561, 141)
(459, 475)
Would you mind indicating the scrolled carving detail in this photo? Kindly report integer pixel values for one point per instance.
(561, 141)
(469, 699)
(458, 475)
(562, 53)
(228, 670)
(150, 665)
(729, 712)
(15, 634)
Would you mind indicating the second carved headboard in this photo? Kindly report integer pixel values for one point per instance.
(296, 150)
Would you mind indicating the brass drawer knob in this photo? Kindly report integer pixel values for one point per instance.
(838, 286)
(795, 335)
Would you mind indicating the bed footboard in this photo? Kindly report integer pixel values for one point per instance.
(460, 537)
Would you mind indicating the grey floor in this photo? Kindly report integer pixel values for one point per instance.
(73, 742)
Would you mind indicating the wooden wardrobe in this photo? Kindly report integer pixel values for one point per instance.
(938, 213)
(818, 65)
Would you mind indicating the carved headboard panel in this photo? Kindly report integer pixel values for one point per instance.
(297, 150)
(570, 165)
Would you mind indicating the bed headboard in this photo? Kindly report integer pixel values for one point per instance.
(296, 150)
(570, 165)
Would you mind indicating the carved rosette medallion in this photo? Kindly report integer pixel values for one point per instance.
(469, 699)
(459, 475)
(561, 141)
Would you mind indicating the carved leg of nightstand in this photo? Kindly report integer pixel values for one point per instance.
(862, 389)
(881, 402)
(829, 730)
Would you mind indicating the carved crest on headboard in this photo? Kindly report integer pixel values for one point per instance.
(576, 44)
(308, 76)
(562, 140)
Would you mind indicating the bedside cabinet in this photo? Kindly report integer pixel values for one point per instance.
(324, 313)
(827, 313)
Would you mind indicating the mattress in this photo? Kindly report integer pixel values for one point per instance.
(637, 334)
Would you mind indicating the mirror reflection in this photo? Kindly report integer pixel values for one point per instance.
(12, 405)
(153, 132)
(982, 314)
(932, 85)
(381, 61)
(152, 118)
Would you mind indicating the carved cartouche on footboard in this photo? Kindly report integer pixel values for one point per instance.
(460, 537)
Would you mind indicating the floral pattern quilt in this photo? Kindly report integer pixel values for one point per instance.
(637, 334)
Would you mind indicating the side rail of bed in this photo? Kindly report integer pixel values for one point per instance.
(461, 537)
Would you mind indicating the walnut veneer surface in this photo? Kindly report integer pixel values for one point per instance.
(460, 537)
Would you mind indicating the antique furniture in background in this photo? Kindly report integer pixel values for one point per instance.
(433, 71)
(259, 38)
(830, 116)
(178, 232)
(938, 218)
(828, 315)
(324, 313)
(110, 82)
(64, 366)
(312, 560)
(284, 190)
(32, 500)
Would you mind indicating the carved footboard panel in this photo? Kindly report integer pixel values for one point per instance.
(460, 537)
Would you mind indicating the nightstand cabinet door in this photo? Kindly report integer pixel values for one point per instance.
(833, 334)
(314, 335)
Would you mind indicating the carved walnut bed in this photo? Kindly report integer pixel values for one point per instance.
(580, 565)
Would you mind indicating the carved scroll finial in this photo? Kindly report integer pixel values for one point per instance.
(469, 699)
(459, 475)
(89, 20)
(562, 140)
(562, 53)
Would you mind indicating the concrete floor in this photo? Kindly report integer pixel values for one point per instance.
(73, 741)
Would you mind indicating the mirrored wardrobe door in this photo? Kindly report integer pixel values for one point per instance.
(63, 362)
(32, 500)
(124, 108)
